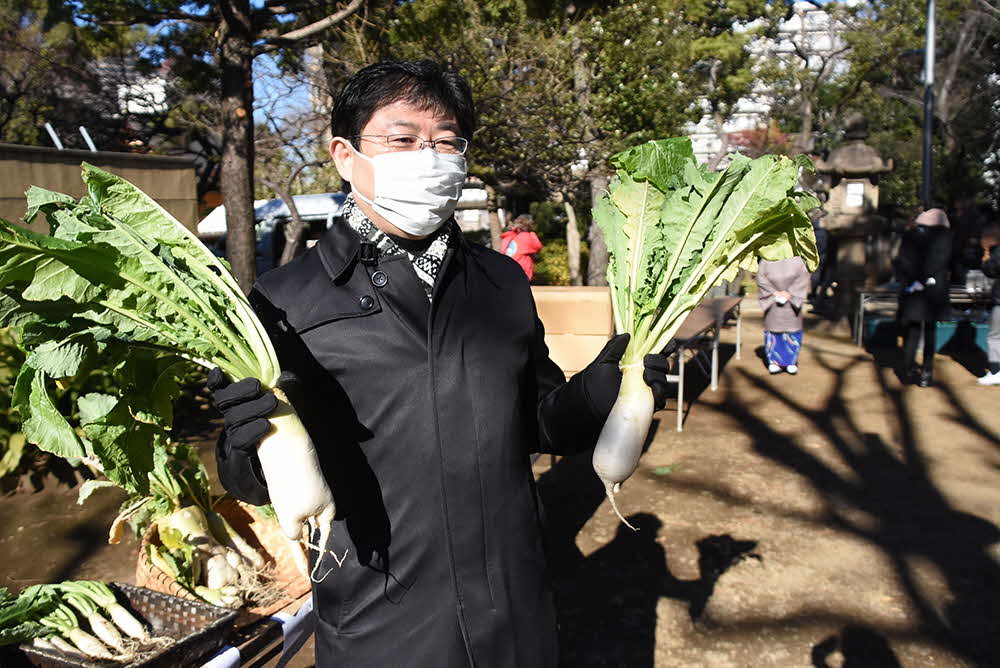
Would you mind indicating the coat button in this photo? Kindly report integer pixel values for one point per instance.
(379, 279)
(366, 302)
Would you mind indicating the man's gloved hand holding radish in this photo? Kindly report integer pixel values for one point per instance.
(245, 407)
(602, 378)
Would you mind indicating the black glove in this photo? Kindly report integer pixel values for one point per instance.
(602, 378)
(245, 406)
(655, 369)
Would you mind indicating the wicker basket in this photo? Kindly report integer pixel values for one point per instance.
(263, 535)
(198, 629)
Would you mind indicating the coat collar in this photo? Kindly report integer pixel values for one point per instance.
(338, 249)
(340, 245)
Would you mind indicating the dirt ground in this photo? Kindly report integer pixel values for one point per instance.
(833, 518)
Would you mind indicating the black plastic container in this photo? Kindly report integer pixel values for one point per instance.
(198, 629)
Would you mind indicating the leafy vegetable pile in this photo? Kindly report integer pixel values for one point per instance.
(117, 281)
(191, 542)
(120, 284)
(49, 616)
(674, 230)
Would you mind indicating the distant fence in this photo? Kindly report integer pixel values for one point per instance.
(170, 181)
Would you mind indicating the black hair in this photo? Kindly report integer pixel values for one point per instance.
(422, 83)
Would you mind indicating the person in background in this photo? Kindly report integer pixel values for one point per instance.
(783, 286)
(967, 226)
(991, 268)
(520, 242)
(922, 269)
(822, 278)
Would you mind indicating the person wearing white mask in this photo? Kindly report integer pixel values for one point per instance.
(420, 369)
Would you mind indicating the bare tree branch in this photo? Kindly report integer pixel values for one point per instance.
(277, 42)
(143, 15)
(990, 9)
(956, 57)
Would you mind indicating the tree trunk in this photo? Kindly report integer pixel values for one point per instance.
(720, 125)
(572, 244)
(294, 230)
(492, 208)
(322, 100)
(804, 143)
(597, 263)
(236, 59)
(943, 102)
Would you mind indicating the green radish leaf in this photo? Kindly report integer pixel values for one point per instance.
(89, 487)
(172, 539)
(60, 359)
(663, 162)
(640, 204)
(663, 470)
(707, 228)
(41, 264)
(40, 199)
(95, 406)
(18, 615)
(14, 450)
(119, 285)
(134, 208)
(41, 422)
(123, 444)
(23, 632)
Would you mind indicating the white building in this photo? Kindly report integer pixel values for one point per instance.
(815, 32)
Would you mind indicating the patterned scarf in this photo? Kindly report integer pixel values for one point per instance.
(426, 264)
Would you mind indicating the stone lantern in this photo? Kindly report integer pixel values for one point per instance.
(851, 173)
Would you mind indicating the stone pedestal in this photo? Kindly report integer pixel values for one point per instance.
(851, 174)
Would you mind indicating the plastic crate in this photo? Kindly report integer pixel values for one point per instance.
(962, 334)
(199, 630)
(884, 331)
(881, 330)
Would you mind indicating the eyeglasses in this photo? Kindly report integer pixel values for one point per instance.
(446, 145)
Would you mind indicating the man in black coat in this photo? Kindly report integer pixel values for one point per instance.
(421, 372)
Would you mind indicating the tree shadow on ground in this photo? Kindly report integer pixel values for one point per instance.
(606, 601)
(698, 375)
(961, 347)
(39, 470)
(889, 357)
(913, 519)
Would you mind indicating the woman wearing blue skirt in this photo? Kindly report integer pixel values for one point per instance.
(783, 286)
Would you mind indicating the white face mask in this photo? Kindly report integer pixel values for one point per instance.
(415, 190)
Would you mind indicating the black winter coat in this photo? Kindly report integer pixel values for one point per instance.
(424, 418)
(925, 252)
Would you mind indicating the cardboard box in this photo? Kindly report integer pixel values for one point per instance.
(574, 310)
(572, 352)
(578, 322)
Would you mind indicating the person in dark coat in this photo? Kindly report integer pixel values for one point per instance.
(826, 248)
(967, 224)
(422, 375)
(922, 269)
